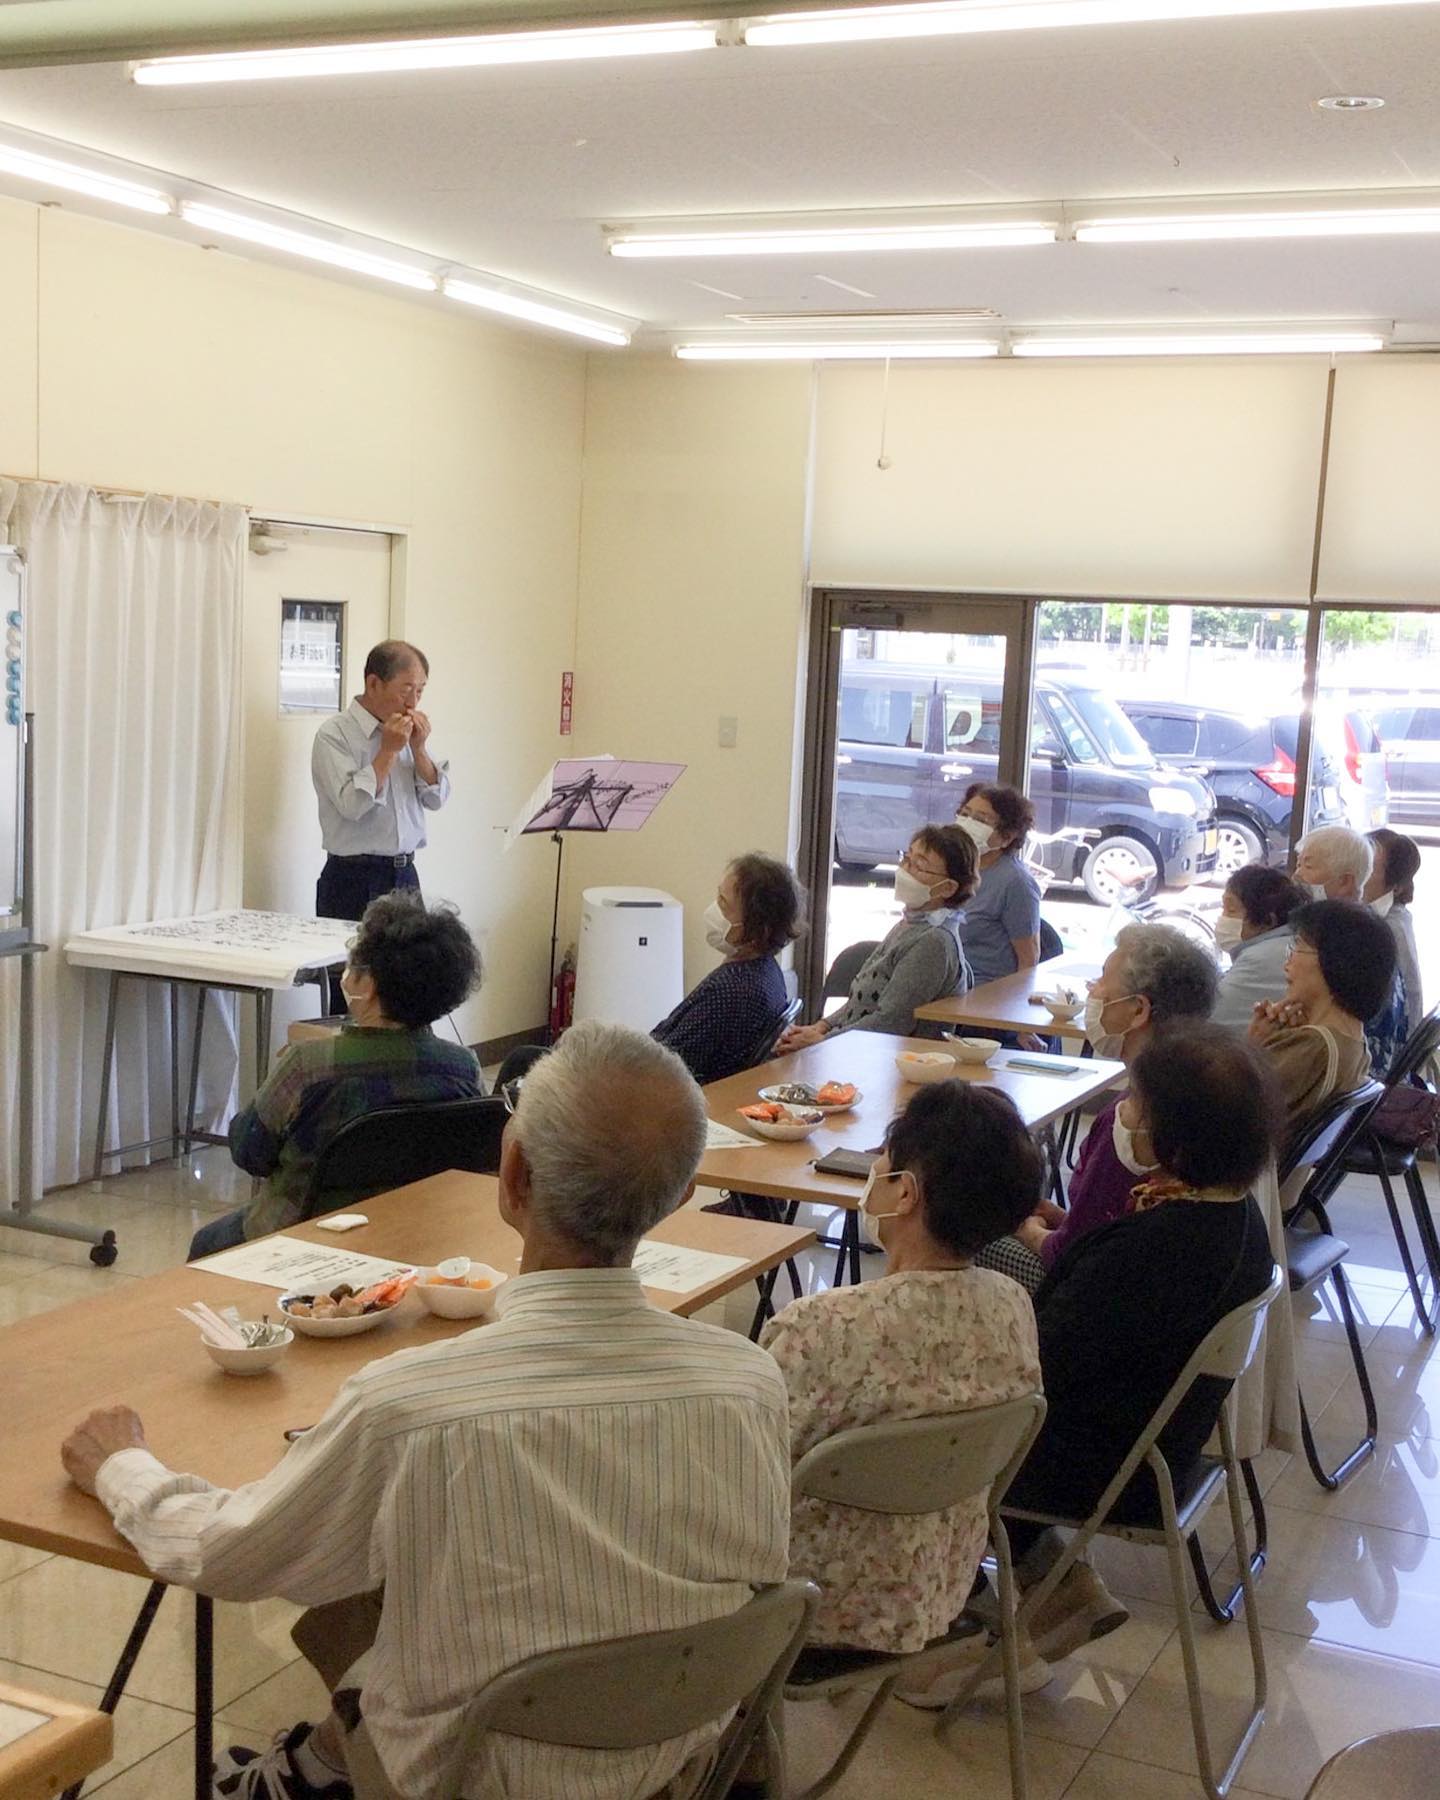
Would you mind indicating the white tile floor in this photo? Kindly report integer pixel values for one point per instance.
(1350, 1601)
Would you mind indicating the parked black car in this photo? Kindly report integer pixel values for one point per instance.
(1249, 761)
(912, 739)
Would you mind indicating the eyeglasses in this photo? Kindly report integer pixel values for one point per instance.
(909, 863)
(1301, 948)
(510, 1094)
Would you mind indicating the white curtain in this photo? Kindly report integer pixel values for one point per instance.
(134, 679)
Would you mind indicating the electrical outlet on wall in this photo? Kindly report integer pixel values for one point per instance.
(729, 731)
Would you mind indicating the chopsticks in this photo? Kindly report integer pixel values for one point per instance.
(213, 1328)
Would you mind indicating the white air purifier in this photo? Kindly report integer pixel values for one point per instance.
(630, 967)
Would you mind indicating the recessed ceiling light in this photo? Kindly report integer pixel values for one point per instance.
(937, 350)
(841, 238)
(1218, 343)
(1350, 103)
(1209, 227)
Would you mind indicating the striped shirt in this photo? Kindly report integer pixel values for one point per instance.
(584, 1468)
(358, 817)
(317, 1087)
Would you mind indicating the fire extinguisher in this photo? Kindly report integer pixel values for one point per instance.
(562, 998)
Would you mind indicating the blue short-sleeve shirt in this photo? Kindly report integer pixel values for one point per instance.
(1006, 906)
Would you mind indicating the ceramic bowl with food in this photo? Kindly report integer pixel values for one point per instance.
(1061, 1009)
(783, 1124)
(925, 1065)
(471, 1296)
(343, 1312)
(973, 1049)
(830, 1097)
(254, 1359)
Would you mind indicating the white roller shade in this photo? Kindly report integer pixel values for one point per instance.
(1194, 479)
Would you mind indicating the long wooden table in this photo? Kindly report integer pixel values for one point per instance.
(1006, 1004)
(786, 1171)
(47, 1744)
(130, 1346)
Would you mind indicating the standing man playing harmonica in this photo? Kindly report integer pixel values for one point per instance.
(375, 780)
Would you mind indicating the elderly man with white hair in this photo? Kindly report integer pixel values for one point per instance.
(586, 1467)
(1333, 862)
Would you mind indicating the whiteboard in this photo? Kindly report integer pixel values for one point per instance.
(12, 735)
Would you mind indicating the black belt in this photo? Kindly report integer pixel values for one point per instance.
(388, 862)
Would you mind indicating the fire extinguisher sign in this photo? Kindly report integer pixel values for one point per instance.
(567, 701)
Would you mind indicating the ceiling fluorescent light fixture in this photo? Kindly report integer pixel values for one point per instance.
(1319, 222)
(301, 243)
(537, 312)
(481, 51)
(50, 171)
(838, 239)
(955, 18)
(1234, 343)
(938, 350)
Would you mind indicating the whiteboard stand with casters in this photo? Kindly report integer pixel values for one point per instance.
(20, 1215)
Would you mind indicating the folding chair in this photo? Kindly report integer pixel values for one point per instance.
(1324, 1146)
(628, 1692)
(518, 1063)
(1393, 1765)
(1382, 1157)
(1225, 1353)
(399, 1144)
(846, 966)
(922, 1466)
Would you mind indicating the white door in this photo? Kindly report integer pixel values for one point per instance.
(350, 569)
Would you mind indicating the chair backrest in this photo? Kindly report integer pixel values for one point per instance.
(625, 1692)
(846, 966)
(1422, 1044)
(920, 1465)
(399, 1144)
(1324, 1139)
(1050, 942)
(1394, 1765)
(762, 1047)
(519, 1062)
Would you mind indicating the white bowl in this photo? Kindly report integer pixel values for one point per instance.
(922, 1066)
(450, 1302)
(248, 1362)
(789, 1132)
(1064, 1010)
(333, 1327)
(973, 1050)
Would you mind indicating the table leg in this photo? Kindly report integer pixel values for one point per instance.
(195, 1043)
(204, 1695)
(175, 1068)
(139, 1631)
(264, 1007)
(106, 1067)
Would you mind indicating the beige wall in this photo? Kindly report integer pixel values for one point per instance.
(159, 365)
(1177, 479)
(692, 584)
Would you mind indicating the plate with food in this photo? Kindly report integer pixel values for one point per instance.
(786, 1124)
(829, 1097)
(345, 1311)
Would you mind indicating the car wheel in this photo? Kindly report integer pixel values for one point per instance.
(1238, 844)
(1120, 869)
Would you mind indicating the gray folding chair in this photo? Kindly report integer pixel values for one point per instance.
(923, 1466)
(1393, 1765)
(628, 1692)
(1225, 1353)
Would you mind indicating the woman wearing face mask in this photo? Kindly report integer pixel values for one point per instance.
(1254, 930)
(716, 1028)
(1154, 978)
(932, 1335)
(1340, 973)
(1390, 892)
(1001, 933)
(409, 966)
(921, 958)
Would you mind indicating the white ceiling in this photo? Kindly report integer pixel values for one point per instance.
(514, 170)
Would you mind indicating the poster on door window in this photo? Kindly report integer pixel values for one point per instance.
(312, 655)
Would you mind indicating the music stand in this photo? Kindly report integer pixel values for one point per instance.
(591, 793)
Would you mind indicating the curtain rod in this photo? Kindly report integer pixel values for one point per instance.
(119, 493)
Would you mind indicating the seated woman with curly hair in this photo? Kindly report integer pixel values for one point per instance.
(409, 965)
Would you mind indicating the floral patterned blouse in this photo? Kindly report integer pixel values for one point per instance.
(902, 1347)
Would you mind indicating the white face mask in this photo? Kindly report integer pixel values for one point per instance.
(1104, 1043)
(910, 892)
(979, 833)
(349, 995)
(1382, 904)
(1123, 1140)
(1227, 931)
(1315, 889)
(718, 929)
(868, 1219)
